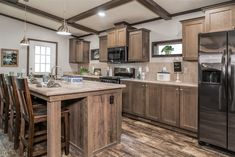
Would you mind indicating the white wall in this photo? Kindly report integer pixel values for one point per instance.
(11, 33)
(160, 30)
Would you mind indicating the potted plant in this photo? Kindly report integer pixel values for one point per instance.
(83, 71)
(167, 49)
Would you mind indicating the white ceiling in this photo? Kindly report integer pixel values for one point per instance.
(35, 19)
(56, 7)
(175, 6)
(131, 12)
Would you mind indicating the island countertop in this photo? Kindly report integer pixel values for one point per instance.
(69, 88)
(95, 116)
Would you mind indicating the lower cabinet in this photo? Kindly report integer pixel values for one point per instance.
(172, 105)
(138, 98)
(189, 108)
(126, 95)
(153, 104)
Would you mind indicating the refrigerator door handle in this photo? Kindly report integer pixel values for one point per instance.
(230, 85)
(222, 93)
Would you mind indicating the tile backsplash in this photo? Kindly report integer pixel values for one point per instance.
(189, 74)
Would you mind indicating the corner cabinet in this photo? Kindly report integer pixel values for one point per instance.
(139, 45)
(117, 37)
(191, 29)
(103, 49)
(78, 51)
(220, 19)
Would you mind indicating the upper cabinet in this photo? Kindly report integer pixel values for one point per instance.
(117, 37)
(220, 19)
(72, 50)
(78, 51)
(191, 29)
(138, 45)
(121, 35)
(103, 49)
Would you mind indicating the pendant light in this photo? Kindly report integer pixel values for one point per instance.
(25, 41)
(64, 29)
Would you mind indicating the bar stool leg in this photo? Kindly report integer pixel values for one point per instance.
(22, 134)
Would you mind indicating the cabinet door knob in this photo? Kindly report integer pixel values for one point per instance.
(177, 89)
(181, 89)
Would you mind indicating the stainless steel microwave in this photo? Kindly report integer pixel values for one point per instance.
(118, 54)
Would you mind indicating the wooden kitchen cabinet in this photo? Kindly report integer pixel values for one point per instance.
(121, 34)
(190, 29)
(189, 108)
(105, 127)
(72, 50)
(153, 104)
(170, 105)
(126, 95)
(139, 45)
(94, 118)
(138, 98)
(220, 19)
(111, 37)
(117, 37)
(103, 49)
(78, 51)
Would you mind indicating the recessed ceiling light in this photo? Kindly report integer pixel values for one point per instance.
(101, 14)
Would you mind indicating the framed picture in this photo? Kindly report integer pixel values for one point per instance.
(9, 58)
(95, 54)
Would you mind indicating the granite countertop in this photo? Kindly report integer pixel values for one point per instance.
(71, 88)
(186, 84)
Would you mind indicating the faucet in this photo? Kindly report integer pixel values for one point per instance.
(54, 72)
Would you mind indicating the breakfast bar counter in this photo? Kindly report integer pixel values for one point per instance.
(95, 115)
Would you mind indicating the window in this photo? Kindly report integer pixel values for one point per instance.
(42, 59)
(167, 48)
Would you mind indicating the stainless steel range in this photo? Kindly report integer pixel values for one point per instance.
(119, 73)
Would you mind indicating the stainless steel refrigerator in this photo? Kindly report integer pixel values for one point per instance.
(217, 89)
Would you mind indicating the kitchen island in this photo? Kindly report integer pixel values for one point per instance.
(95, 116)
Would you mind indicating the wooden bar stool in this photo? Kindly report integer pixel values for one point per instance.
(4, 107)
(33, 123)
(14, 121)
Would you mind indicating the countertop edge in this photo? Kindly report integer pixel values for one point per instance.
(183, 84)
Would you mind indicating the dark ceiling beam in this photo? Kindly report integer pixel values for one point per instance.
(84, 28)
(157, 9)
(32, 23)
(47, 15)
(13, 1)
(106, 6)
(186, 12)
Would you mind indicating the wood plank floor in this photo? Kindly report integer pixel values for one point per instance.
(142, 140)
